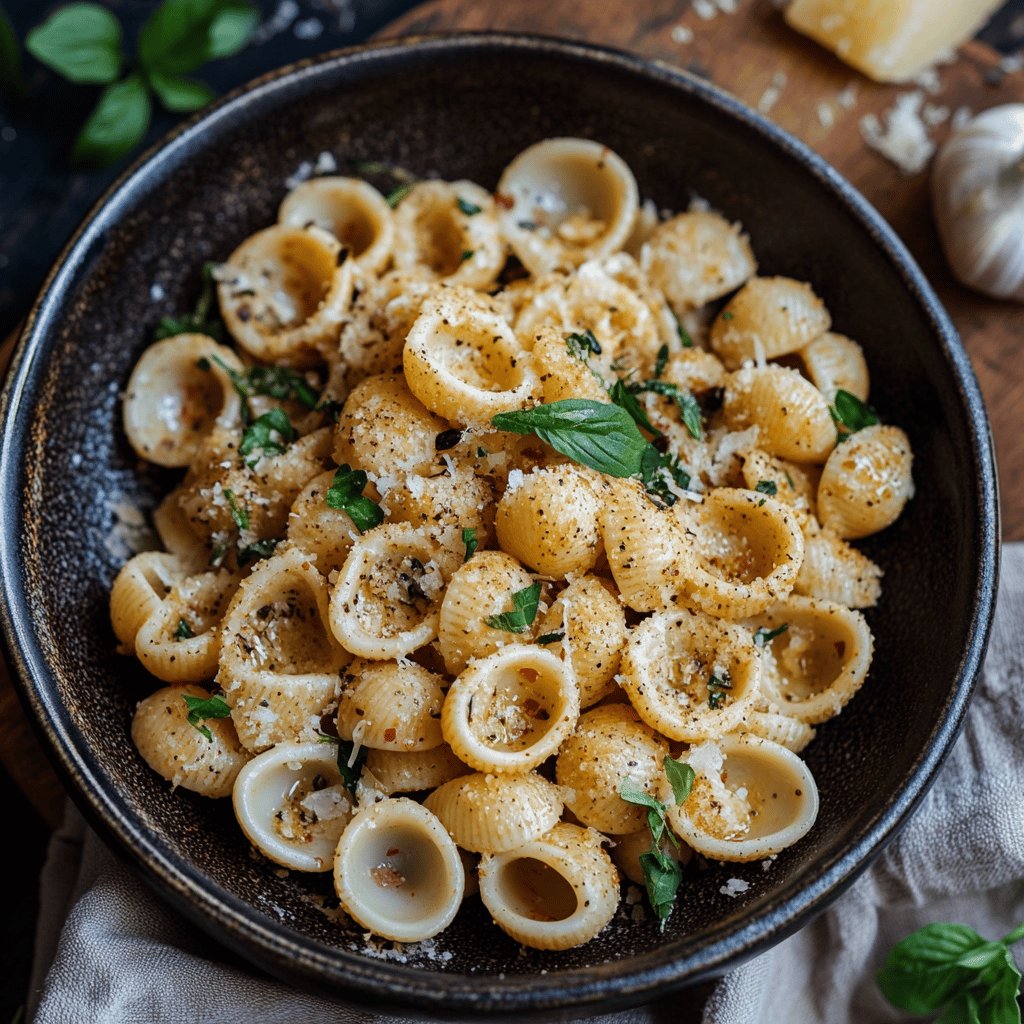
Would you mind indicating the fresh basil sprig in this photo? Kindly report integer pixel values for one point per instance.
(950, 967)
(200, 709)
(600, 435)
(269, 434)
(524, 610)
(662, 873)
(851, 414)
(83, 43)
(346, 495)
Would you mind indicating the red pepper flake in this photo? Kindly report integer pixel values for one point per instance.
(389, 735)
(394, 851)
(504, 201)
(530, 675)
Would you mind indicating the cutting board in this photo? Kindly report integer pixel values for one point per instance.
(753, 54)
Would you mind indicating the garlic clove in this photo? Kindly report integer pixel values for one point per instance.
(978, 199)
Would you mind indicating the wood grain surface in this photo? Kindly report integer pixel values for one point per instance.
(754, 55)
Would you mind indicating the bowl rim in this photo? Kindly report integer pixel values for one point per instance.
(347, 975)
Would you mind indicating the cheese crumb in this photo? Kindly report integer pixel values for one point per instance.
(902, 134)
(733, 887)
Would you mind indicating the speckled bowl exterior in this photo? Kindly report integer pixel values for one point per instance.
(461, 107)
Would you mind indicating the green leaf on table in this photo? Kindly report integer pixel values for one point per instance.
(524, 610)
(950, 967)
(10, 56)
(81, 42)
(180, 95)
(182, 35)
(117, 124)
(600, 435)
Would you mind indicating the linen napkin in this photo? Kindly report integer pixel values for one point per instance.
(107, 951)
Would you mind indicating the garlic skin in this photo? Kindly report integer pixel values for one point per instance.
(978, 197)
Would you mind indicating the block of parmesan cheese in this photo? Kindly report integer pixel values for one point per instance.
(890, 40)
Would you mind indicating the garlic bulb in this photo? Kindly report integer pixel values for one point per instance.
(978, 193)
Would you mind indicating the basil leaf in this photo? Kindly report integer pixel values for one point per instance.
(184, 631)
(524, 610)
(180, 95)
(766, 487)
(688, 406)
(239, 515)
(550, 638)
(282, 383)
(346, 495)
(680, 777)
(270, 434)
(11, 76)
(469, 539)
(116, 125)
(633, 793)
(581, 343)
(658, 474)
(466, 207)
(81, 42)
(851, 414)
(201, 708)
(181, 35)
(662, 875)
(595, 434)
(395, 196)
(661, 361)
(350, 772)
(764, 636)
(683, 334)
(623, 398)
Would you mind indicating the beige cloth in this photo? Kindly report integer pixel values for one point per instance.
(108, 952)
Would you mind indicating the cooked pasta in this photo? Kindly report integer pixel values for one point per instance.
(513, 545)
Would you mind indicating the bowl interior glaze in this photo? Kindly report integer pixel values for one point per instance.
(462, 107)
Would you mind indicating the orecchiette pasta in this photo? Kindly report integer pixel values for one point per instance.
(511, 525)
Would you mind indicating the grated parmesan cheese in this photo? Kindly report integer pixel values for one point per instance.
(733, 887)
(901, 136)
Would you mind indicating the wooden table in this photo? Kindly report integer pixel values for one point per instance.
(753, 54)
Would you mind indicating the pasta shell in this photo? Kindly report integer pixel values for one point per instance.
(179, 751)
(324, 533)
(767, 318)
(609, 745)
(555, 892)
(284, 291)
(386, 601)
(768, 803)
(494, 813)
(177, 392)
(138, 589)
(813, 669)
(689, 676)
(564, 201)
(350, 209)
(400, 771)
(790, 413)
(866, 482)
(785, 730)
(697, 257)
(463, 362)
(292, 804)
(835, 362)
(833, 570)
(511, 710)
(788, 482)
(397, 871)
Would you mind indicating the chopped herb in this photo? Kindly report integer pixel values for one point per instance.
(350, 767)
(447, 439)
(600, 435)
(395, 196)
(280, 382)
(346, 495)
(217, 555)
(470, 541)
(851, 414)
(764, 636)
(727, 314)
(551, 638)
(332, 408)
(267, 435)
(203, 363)
(661, 361)
(257, 549)
(584, 341)
(466, 207)
(184, 631)
(660, 476)
(680, 776)
(201, 320)
(373, 167)
(623, 397)
(766, 487)
(684, 335)
(239, 515)
(717, 688)
(662, 875)
(200, 709)
(467, 254)
(524, 611)
(789, 480)
(688, 406)
(481, 453)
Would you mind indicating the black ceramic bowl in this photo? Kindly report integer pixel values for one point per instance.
(463, 106)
